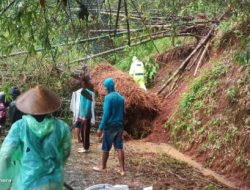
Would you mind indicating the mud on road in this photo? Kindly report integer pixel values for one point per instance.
(143, 169)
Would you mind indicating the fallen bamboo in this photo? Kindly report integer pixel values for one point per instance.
(122, 15)
(201, 58)
(185, 62)
(69, 43)
(194, 60)
(7, 7)
(112, 30)
(123, 47)
(204, 41)
(68, 186)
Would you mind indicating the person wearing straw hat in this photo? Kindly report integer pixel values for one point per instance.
(37, 146)
(112, 125)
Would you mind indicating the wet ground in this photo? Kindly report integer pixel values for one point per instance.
(145, 166)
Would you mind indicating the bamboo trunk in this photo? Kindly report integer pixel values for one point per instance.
(121, 48)
(186, 61)
(201, 58)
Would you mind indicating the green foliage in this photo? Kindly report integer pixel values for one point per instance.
(200, 87)
(5, 89)
(212, 137)
(195, 101)
(186, 102)
(144, 52)
(215, 121)
(243, 57)
(232, 93)
(151, 69)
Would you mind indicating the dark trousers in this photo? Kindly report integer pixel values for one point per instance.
(85, 132)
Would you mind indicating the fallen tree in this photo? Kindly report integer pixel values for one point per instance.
(198, 53)
(141, 106)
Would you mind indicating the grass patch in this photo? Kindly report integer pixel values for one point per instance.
(199, 100)
(200, 88)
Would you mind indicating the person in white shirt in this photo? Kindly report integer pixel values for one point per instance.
(75, 108)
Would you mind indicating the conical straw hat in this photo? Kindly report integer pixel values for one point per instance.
(38, 101)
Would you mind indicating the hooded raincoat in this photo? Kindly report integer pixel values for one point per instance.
(33, 154)
(113, 108)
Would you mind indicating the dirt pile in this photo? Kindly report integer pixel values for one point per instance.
(141, 106)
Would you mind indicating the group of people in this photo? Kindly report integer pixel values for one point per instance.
(111, 126)
(33, 154)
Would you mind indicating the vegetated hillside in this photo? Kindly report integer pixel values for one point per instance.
(212, 122)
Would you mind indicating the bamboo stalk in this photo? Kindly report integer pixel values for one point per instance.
(117, 16)
(70, 43)
(120, 48)
(6, 8)
(194, 60)
(201, 58)
(185, 62)
(204, 41)
(127, 20)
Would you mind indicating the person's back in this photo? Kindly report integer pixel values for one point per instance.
(37, 146)
(116, 109)
(41, 159)
(113, 108)
(112, 125)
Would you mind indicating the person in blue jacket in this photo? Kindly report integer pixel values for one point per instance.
(85, 113)
(112, 125)
(33, 154)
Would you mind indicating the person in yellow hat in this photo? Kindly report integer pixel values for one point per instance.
(33, 154)
(137, 71)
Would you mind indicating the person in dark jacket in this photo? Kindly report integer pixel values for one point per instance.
(14, 114)
(3, 110)
(85, 114)
(112, 125)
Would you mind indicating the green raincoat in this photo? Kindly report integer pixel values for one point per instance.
(33, 155)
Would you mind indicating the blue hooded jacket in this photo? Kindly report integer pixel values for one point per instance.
(113, 108)
(85, 106)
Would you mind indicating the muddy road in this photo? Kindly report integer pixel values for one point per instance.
(147, 164)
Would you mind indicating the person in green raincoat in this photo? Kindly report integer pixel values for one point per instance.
(33, 154)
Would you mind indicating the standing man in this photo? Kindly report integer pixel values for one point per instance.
(75, 108)
(86, 113)
(112, 125)
(37, 146)
(137, 71)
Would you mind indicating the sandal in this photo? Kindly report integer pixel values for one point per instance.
(97, 169)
